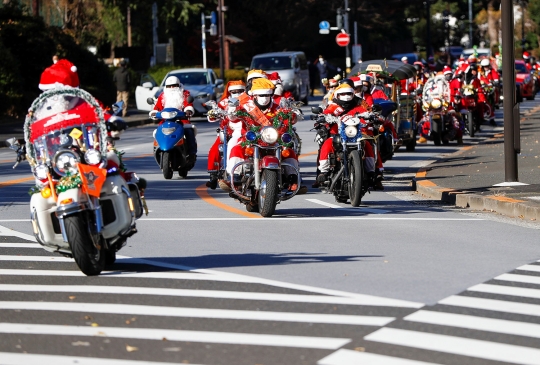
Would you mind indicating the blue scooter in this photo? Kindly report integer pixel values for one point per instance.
(170, 145)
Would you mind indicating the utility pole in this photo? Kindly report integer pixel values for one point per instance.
(511, 108)
(470, 24)
(522, 27)
(428, 32)
(129, 25)
(346, 27)
(221, 9)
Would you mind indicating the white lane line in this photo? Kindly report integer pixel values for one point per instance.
(535, 268)
(179, 335)
(20, 245)
(351, 357)
(358, 210)
(476, 323)
(277, 218)
(35, 258)
(4, 231)
(506, 290)
(423, 163)
(147, 310)
(222, 294)
(519, 278)
(492, 305)
(10, 358)
(458, 346)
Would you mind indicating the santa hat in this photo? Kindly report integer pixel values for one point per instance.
(404, 59)
(233, 85)
(262, 86)
(274, 77)
(334, 81)
(343, 88)
(526, 55)
(356, 80)
(256, 73)
(446, 70)
(62, 73)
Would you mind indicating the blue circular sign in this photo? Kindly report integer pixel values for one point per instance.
(324, 25)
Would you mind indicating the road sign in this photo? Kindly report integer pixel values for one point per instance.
(343, 39)
(324, 31)
(324, 25)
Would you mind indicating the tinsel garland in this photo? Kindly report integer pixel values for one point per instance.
(119, 154)
(277, 121)
(68, 182)
(33, 190)
(66, 91)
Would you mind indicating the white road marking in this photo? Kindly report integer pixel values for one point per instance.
(351, 357)
(476, 323)
(222, 294)
(519, 278)
(534, 268)
(4, 231)
(423, 163)
(492, 305)
(506, 290)
(20, 245)
(459, 346)
(278, 218)
(35, 258)
(358, 210)
(178, 335)
(147, 310)
(10, 358)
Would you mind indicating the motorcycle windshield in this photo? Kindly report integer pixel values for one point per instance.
(169, 134)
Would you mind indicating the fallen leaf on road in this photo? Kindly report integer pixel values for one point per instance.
(88, 318)
(359, 349)
(80, 343)
(128, 321)
(172, 349)
(71, 297)
(131, 348)
(94, 324)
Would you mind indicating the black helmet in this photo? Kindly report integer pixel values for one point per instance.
(348, 82)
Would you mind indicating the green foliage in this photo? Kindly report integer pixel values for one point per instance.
(10, 87)
(114, 23)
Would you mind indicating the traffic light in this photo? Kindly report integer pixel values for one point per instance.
(213, 23)
(339, 18)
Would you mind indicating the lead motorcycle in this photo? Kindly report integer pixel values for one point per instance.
(83, 205)
(347, 177)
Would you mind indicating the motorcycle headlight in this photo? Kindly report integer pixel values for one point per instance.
(269, 135)
(436, 104)
(251, 136)
(351, 131)
(168, 115)
(168, 130)
(92, 157)
(41, 172)
(65, 161)
(286, 138)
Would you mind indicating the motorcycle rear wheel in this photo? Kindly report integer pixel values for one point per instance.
(166, 166)
(268, 193)
(356, 175)
(470, 124)
(90, 260)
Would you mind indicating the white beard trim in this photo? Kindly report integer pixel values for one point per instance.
(53, 105)
(173, 98)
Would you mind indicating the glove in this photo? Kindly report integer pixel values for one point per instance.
(365, 115)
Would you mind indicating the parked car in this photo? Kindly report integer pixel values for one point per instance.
(411, 57)
(202, 83)
(292, 68)
(524, 82)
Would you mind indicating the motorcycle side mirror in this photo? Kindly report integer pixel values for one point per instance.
(316, 110)
(150, 101)
(190, 99)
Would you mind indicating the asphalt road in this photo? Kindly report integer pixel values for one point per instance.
(205, 282)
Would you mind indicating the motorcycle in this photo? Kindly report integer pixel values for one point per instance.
(170, 150)
(265, 180)
(19, 146)
(83, 205)
(346, 175)
(466, 101)
(385, 138)
(444, 124)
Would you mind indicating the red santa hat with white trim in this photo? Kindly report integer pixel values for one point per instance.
(62, 73)
(446, 70)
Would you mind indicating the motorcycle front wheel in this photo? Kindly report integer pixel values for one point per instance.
(90, 260)
(268, 192)
(470, 123)
(166, 165)
(356, 175)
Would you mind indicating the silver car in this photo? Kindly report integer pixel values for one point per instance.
(202, 83)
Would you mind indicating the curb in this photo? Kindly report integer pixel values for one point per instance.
(462, 199)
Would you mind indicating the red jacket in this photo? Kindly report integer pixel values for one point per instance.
(337, 111)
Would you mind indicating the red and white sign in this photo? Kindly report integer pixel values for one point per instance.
(343, 39)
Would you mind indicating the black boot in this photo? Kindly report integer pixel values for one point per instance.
(212, 183)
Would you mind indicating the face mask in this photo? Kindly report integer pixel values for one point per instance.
(264, 100)
(321, 60)
(345, 97)
(359, 95)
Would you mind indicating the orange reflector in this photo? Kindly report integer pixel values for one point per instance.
(66, 201)
(130, 202)
(248, 151)
(46, 192)
(381, 129)
(285, 153)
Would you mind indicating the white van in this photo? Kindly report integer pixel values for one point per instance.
(292, 68)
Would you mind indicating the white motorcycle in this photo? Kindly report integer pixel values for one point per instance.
(82, 206)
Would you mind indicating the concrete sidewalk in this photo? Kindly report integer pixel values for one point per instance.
(468, 177)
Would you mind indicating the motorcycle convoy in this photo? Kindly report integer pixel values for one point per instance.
(85, 204)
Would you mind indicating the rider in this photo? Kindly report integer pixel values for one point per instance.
(174, 96)
(278, 91)
(471, 78)
(345, 103)
(232, 90)
(490, 76)
(260, 107)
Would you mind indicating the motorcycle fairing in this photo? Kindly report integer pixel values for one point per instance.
(388, 106)
(167, 142)
(269, 162)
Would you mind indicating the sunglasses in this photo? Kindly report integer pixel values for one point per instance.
(174, 85)
(236, 91)
(346, 94)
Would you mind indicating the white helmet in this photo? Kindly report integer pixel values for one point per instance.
(173, 80)
(484, 62)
